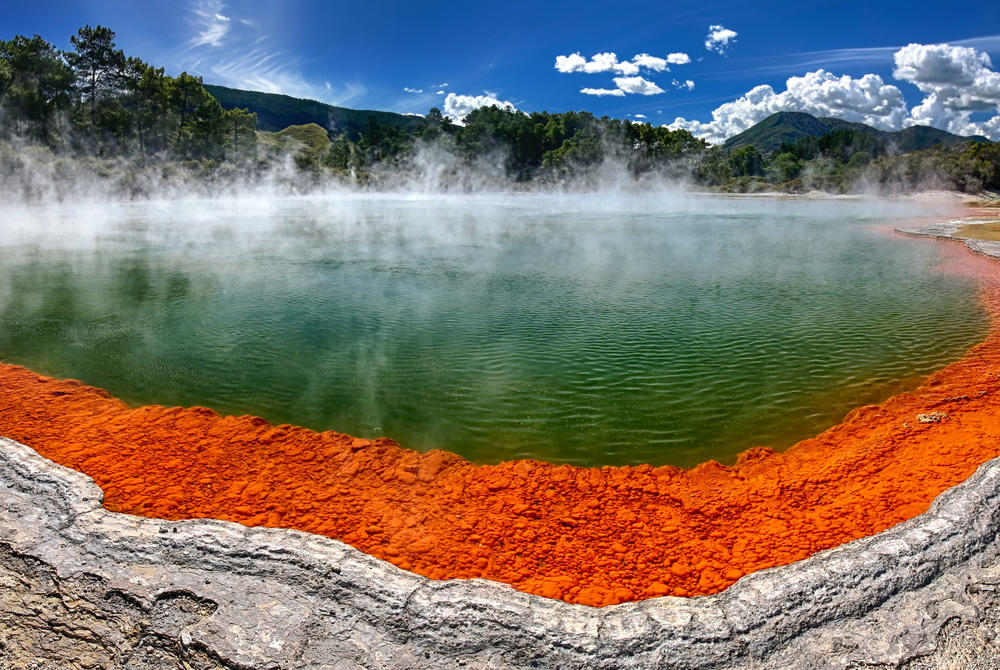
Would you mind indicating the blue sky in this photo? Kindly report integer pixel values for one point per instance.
(673, 63)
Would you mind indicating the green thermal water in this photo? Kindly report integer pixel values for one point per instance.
(588, 330)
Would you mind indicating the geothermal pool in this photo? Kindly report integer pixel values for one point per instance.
(590, 330)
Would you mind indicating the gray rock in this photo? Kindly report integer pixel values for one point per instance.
(81, 587)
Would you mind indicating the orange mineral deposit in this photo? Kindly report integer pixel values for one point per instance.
(595, 536)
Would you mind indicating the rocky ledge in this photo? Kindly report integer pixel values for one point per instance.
(82, 587)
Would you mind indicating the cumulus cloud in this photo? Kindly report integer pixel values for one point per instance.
(867, 99)
(639, 116)
(628, 80)
(719, 39)
(457, 107)
(637, 85)
(650, 62)
(212, 25)
(957, 81)
(413, 90)
(686, 84)
(602, 62)
(608, 62)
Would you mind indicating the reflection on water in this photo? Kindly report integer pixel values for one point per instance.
(577, 330)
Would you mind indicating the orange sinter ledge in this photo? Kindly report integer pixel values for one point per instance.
(595, 536)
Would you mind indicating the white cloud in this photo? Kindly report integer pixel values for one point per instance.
(637, 85)
(687, 83)
(272, 72)
(571, 63)
(650, 62)
(251, 65)
(957, 81)
(439, 92)
(867, 99)
(602, 62)
(235, 52)
(457, 107)
(936, 65)
(719, 39)
(991, 128)
(413, 90)
(212, 25)
(608, 62)
(616, 92)
(639, 116)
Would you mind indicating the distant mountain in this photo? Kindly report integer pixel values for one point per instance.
(768, 135)
(276, 112)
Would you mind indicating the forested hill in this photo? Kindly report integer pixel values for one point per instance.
(276, 112)
(786, 128)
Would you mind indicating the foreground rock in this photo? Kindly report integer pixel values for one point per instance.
(81, 587)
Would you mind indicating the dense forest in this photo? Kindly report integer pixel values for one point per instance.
(851, 160)
(94, 99)
(95, 106)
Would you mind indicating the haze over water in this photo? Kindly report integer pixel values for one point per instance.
(583, 329)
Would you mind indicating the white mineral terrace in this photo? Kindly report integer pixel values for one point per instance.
(86, 588)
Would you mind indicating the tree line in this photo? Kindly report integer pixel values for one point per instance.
(526, 147)
(848, 160)
(93, 99)
(544, 147)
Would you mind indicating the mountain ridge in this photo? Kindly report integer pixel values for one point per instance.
(768, 135)
(276, 111)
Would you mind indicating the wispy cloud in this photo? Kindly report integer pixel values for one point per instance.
(984, 43)
(233, 51)
(211, 24)
(261, 69)
(868, 57)
(409, 89)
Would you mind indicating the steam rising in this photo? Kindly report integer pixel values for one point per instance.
(499, 325)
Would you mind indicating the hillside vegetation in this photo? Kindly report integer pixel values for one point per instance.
(275, 112)
(308, 144)
(790, 127)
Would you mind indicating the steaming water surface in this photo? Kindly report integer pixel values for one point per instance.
(588, 330)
